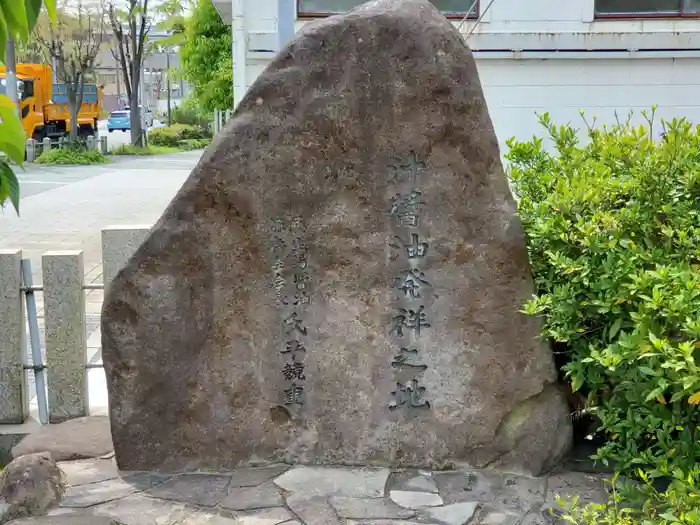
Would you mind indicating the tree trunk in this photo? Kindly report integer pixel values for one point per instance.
(135, 115)
(73, 111)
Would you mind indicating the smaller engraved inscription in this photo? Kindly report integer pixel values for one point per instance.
(414, 249)
(407, 171)
(406, 208)
(410, 282)
(414, 320)
(409, 395)
(292, 323)
(294, 395)
(293, 347)
(407, 359)
(294, 370)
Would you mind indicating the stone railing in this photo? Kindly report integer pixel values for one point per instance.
(62, 394)
(35, 148)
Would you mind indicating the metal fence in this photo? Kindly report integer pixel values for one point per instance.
(58, 369)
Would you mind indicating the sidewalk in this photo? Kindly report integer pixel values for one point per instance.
(69, 212)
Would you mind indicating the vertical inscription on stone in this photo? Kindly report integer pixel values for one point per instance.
(409, 320)
(291, 283)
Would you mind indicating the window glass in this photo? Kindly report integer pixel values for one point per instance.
(308, 7)
(692, 6)
(638, 6)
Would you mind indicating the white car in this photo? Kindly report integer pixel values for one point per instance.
(146, 115)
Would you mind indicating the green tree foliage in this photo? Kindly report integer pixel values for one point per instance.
(206, 57)
(613, 230)
(17, 19)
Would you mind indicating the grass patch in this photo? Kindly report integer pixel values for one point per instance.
(128, 149)
(71, 157)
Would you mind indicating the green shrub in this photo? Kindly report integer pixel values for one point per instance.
(641, 503)
(172, 135)
(71, 156)
(193, 144)
(128, 149)
(191, 114)
(613, 231)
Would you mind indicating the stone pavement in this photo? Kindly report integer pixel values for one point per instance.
(302, 495)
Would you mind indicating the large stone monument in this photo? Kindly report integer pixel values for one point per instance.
(340, 278)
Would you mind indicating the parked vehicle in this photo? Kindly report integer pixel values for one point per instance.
(119, 120)
(43, 106)
(146, 115)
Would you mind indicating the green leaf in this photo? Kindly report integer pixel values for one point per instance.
(33, 9)
(16, 18)
(615, 328)
(3, 37)
(11, 131)
(51, 9)
(9, 186)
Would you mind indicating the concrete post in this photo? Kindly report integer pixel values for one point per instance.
(46, 144)
(66, 349)
(103, 145)
(90, 143)
(30, 148)
(14, 402)
(118, 245)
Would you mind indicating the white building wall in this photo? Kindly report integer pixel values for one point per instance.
(551, 55)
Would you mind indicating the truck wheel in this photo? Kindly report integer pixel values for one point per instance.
(111, 130)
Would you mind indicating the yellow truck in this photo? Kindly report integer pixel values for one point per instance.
(43, 105)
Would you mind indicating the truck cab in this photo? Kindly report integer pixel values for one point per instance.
(43, 106)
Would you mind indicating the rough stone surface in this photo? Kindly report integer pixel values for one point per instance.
(80, 438)
(419, 480)
(455, 514)
(265, 495)
(356, 483)
(369, 508)
(384, 100)
(314, 510)
(67, 520)
(128, 500)
(30, 486)
(89, 471)
(64, 322)
(200, 489)
(252, 477)
(415, 500)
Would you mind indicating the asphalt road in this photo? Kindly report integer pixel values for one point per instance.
(118, 138)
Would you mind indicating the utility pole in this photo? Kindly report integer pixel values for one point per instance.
(167, 66)
(11, 72)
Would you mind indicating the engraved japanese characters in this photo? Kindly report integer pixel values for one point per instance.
(340, 279)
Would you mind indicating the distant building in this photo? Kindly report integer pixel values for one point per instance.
(599, 56)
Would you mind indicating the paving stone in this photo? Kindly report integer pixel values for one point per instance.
(142, 510)
(263, 496)
(467, 485)
(89, 471)
(538, 517)
(79, 438)
(520, 494)
(415, 500)
(588, 487)
(85, 519)
(388, 522)
(144, 480)
(274, 516)
(314, 510)
(206, 490)
(252, 477)
(490, 515)
(419, 480)
(84, 496)
(328, 481)
(454, 514)
(369, 508)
